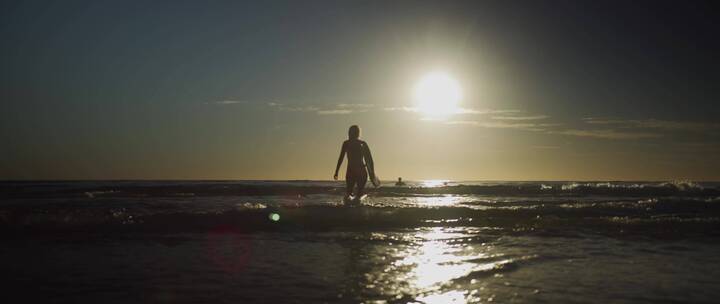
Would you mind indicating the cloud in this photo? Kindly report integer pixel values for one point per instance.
(505, 125)
(635, 128)
(335, 112)
(405, 109)
(458, 111)
(654, 124)
(285, 108)
(227, 102)
(529, 117)
(542, 147)
(356, 105)
(508, 119)
(608, 134)
(462, 122)
(338, 109)
(346, 108)
(700, 146)
(487, 111)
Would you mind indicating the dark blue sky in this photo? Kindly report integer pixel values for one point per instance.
(128, 89)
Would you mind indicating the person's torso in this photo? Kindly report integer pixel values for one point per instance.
(355, 149)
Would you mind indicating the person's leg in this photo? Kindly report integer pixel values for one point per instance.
(361, 180)
(349, 183)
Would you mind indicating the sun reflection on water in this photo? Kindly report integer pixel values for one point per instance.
(436, 262)
(454, 296)
(439, 201)
(438, 265)
(434, 183)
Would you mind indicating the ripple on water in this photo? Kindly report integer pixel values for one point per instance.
(438, 265)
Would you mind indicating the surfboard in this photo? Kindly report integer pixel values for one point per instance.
(370, 165)
(374, 179)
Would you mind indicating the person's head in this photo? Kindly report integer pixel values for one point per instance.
(354, 132)
(399, 179)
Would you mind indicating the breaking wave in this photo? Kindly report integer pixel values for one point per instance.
(290, 188)
(607, 207)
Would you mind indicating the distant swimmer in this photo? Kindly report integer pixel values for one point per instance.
(360, 163)
(400, 182)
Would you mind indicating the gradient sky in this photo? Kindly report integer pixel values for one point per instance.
(558, 90)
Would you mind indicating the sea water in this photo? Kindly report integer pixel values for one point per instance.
(296, 242)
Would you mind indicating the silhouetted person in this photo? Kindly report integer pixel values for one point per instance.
(359, 162)
(400, 182)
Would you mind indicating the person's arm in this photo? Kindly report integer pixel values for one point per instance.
(340, 160)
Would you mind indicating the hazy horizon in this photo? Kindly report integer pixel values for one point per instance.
(385, 181)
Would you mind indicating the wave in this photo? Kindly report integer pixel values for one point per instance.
(177, 206)
(304, 188)
(658, 215)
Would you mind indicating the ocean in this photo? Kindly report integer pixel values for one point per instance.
(297, 242)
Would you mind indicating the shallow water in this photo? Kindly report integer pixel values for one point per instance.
(403, 245)
(426, 265)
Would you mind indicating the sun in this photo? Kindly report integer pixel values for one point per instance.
(437, 94)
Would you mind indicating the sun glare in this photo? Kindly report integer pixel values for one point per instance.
(437, 94)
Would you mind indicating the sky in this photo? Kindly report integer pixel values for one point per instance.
(551, 90)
